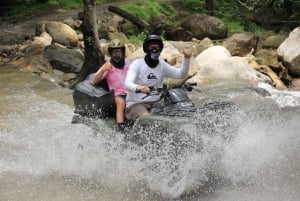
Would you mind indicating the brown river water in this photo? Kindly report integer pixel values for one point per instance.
(250, 152)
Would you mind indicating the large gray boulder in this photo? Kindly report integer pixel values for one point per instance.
(289, 52)
(217, 64)
(240, 44)
(201, 26)
(64, 59)
(60, 32)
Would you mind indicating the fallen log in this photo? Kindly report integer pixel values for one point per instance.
(278, 84)
(142, 25)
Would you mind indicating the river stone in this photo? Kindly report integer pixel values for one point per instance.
(289, 51)
(60, 32)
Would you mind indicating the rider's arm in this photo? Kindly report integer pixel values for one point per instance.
(172, 72)
(180, 72)
(100, 74)
(131, 77)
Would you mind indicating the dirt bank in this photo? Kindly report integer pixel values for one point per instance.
(17, 29)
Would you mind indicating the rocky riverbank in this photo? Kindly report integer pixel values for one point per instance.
(269, 58)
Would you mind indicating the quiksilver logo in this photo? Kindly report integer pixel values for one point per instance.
(151, 76)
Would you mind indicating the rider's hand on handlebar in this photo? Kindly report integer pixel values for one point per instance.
(143, 89)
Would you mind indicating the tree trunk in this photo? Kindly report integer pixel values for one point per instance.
(209, 4)
(93, 57)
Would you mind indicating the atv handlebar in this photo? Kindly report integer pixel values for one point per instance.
(189, 86)
(153, 91)
(157, 91)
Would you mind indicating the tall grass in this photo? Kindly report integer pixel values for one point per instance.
(143, 9)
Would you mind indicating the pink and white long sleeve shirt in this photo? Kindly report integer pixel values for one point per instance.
(116, 79)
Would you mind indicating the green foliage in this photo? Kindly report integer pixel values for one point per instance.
(89, 40)
(233, 26)
(251, 26)
(66, 3)
(137, 39)
(169, 11)
(31, 2)
(143, 9)
(226, 10)
(146, 9)
(28, 2)
(20, 11)
(107, 1)
(195, 6)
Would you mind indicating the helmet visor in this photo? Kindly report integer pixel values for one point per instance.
(117, 54)
(154, 47)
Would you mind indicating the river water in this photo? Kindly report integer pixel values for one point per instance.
(248, 151)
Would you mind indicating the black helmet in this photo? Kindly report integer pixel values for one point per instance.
(152, 38)
(116, 43)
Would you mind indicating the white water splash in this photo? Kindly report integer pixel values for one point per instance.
(283, 98)
(39, 146)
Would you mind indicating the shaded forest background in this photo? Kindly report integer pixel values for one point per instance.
(238, 15)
